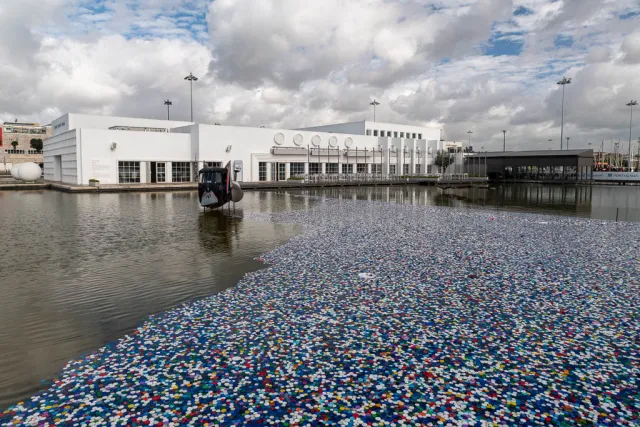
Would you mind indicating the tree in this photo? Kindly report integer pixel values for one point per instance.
(443, 159)
(14, 144)
(36, 144)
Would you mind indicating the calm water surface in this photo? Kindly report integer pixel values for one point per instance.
(78, 271)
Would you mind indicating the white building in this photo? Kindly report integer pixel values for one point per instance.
(116, 150)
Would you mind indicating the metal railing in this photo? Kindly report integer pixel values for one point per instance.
(348, 178)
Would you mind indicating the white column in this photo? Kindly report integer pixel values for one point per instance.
(323, 167)
(368, 167)
(412, 168)
(354, 168)
(306, 168)
(287, 171)
(270, 172)
(168, 172)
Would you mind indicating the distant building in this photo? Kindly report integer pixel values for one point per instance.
(121, 150)
(22, 133)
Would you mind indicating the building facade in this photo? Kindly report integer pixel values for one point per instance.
(122, 150)
(22, 133)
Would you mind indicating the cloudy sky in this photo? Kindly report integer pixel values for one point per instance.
(480, 65)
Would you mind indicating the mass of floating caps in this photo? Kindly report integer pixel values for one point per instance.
(384, 314)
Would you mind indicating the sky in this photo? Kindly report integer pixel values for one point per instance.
(458, 65)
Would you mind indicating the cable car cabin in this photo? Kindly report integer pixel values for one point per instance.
(214, 187)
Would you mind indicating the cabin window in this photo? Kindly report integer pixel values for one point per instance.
(181, 171)
(395, 134)
(212, 164)
(414, 136)
(262, 171)
(417, 168)
(128, 172)
(362, 168)
(211, 177)
(375, 133)
(376, 168)
(405, 169)
(296, 169)
(331, 167)
(401, 134)
(392, 169)
(419, 136)
(368, 132)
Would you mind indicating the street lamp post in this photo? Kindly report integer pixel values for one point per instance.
(631, 105)
(568, 138)
(504, 140)
(563, 82)
(374, 103)
(168, 104)
(191, 79)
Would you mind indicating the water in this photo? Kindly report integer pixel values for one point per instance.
(78, 271)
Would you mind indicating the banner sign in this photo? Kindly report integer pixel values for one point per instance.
(616, 176)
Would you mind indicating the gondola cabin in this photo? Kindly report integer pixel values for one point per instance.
(215, 187)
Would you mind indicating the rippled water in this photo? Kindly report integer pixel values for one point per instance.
(78, 271)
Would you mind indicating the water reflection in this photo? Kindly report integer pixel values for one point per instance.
(82, 270)
(602, 202)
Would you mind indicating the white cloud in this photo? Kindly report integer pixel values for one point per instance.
(291, 63)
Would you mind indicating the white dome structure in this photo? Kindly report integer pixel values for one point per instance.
(15, 171)
(28, 171)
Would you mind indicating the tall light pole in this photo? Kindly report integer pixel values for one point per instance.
(168, 104)
(504, 140)
(191, 79)
(374, 103)
(631, 105)
(563, 82)
(568, 138)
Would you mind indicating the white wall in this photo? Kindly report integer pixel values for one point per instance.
(428, 133)
(353, 128)
(76, 121)
(64, 145)
(100, 162)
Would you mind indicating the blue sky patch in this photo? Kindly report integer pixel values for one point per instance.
(522, 11)
(563, 41)
(504, 45)
(630, 15)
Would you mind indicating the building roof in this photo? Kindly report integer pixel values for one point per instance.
(538, 153)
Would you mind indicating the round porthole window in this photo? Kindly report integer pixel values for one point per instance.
(348, 142)
(333, 141)
(279, 138)
(315, 140)
(297, 139)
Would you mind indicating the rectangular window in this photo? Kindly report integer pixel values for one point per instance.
(212, 164)
(314, 169)
(347, 168)
(362, 168)
(405, 169)
(395, 134)
(375, 133)
(419, 136)
(368, 132)
(331, 167)
(417, 169)
(262, 171)
(376, 168)
(181, 171)
(392, 169)
(429, 170)
(128, 172)
(282, 171)
(161, 173)
(296, 169)
(401, 134)
(414, 136)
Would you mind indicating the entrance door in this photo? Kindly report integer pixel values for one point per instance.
(57, 168)
(154, 175)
